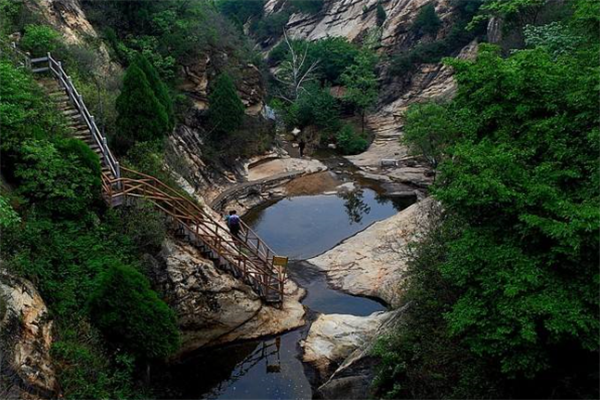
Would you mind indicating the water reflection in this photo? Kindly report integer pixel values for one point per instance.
(355, 205)
(302, 227)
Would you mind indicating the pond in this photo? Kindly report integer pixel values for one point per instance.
(300, 227)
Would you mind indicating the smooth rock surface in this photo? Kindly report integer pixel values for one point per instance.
(372, 262)
(212, 306)
(354, 377)
(26, 369)
(283, 165)
(333, 337)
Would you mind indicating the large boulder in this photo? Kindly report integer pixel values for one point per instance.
(353, 379)
(212, 306)
(26, 370)
(333, 337)
(372, 263)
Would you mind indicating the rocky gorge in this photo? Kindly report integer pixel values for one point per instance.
(215, 309)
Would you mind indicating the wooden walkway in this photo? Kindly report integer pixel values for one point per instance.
(247, 257)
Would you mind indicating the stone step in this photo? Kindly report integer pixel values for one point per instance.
(71, 111)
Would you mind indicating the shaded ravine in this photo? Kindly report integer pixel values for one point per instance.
(270, 368)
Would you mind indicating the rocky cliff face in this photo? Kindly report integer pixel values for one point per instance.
(213, 307)
(68, 18)
(356, 20)
(26, 370)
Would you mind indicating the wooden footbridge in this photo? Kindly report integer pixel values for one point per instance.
(246, 257)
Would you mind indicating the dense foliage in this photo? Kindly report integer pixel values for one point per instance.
(433, 51)
(504, 291)
(142, 118)
(427, 21)
(226, 111)
(57, 233)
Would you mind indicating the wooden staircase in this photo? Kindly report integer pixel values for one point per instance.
(75, 121)
(246, 257)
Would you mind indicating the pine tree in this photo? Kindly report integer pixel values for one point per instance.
(226, 112)
(141, 117)
(361, 83)
(158, 87)
(381, 14)
(427, 21)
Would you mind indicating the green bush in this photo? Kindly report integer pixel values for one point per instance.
(158, 87)
(59, 181)
(130, 314)
(39, 40)
(240, 11)
(226, 110)
(315, 106)
(381, 14)
(350, 141)
(142, 117)
(271, 26)
(335, 55)
(427, 21)
(306, 6)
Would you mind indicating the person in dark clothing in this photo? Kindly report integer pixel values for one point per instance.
(301, 147)
(234, 223)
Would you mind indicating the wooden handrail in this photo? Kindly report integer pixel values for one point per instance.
(248, 253)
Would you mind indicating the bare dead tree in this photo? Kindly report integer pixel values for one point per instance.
(295, 72)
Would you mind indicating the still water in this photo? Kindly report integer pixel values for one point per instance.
(270, 368)
(304, 226)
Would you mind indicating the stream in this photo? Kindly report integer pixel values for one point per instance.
(300, 227)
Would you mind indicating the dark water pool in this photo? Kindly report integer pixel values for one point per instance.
(304, 226)
(270, 368)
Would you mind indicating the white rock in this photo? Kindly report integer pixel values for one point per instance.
(372, 262)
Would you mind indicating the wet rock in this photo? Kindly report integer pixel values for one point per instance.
(26, 369)
(212, 306)
(333, 337)
(372, 262)
(354, 377)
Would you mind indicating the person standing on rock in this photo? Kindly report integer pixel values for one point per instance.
(302, 146)
(234, 223)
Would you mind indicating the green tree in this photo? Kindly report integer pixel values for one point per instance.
(315, 106)
(39, 40)
(226, 110)
(351, 142)
(334, 55)
(130, 314)
(381, 14)
(428, 131)
(241, 11)
(516, 280)
(158, 87)
(141, 115)
(361, 83)
(427, 21)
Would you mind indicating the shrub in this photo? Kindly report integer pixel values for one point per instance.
(141, 116)
(350, 141)
(130, 314)
(158, 87)
(335, 55)
(270, 27)
(39, 40)
(60, 182)
(240, 11)
(427, 21)
(381, 14)
(226, 110)
(315, 106)
(428, 131)
(307, 6)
